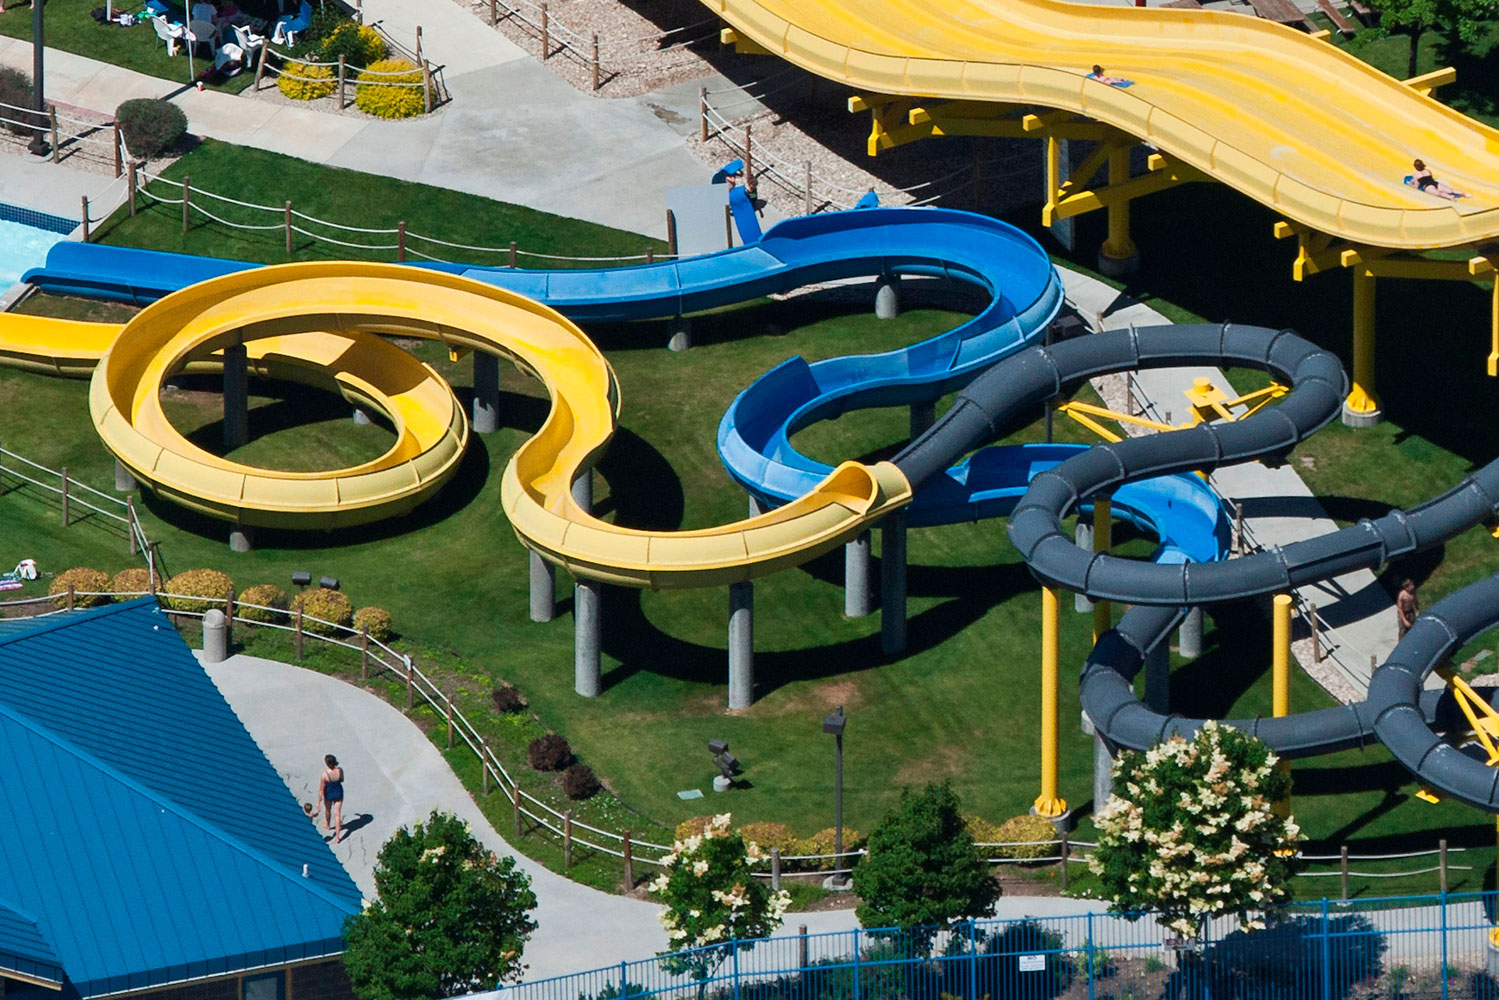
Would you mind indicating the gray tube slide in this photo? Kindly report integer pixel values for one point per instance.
(1397, 712)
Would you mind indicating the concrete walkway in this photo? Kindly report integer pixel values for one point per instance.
(513, 131)
(396, 777)
(1279, 508)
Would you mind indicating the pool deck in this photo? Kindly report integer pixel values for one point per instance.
(56, 188)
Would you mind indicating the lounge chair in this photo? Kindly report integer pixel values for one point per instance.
(289, 27)
(252, 44)
(169, 33)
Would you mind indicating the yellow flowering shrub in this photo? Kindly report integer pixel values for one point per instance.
(384, 95)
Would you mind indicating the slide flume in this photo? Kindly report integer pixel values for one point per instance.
(1289, 120)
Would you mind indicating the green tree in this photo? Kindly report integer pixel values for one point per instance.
(713, 899)
(1192, 831)
(450, 917)
(1413, 18)
(923, 870)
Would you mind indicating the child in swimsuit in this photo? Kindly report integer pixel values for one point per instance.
(1424, 181)
(330, 794)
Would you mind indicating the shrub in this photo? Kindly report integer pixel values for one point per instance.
(1024, 830)
(82, 580)
(131, 581)
(151, 126)
(770, 835)
(327, 18)
(1275, 961)
(377, 620)
(507, 699)
(981, 830)
(579, 782)
(301, 82)
(268, 595)
(549, 753)
(824, 842)
(694, 827)
(201, 589)
(388, 96)
(15, 89)
(999, 962)
(359, 45)
(330, 606)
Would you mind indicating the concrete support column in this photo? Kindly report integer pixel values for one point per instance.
(124, 478)
(1103, 773)
(1158, 678)
(887, 297)
(923, 416)
(1189, 636)
(587, 623)
(486, 416)
(361, 417)
(756, 508)
(741, 645)
(1361, 408)
(215, 636)
(236, 397)
(241, 538)
(679, 333)
(543, 586)
(893, 584)
(1083, 535)
(858, 597)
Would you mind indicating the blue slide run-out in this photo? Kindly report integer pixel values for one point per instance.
(1006, 264)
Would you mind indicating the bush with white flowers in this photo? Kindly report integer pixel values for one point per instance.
(713, 899)
(1192, 832)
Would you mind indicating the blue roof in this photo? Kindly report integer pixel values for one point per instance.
(146, 838)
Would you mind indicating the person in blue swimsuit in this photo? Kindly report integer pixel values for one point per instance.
(330, 795)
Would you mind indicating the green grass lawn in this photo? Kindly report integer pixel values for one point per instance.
(348, 198)
(1476, 92)
(70, 28)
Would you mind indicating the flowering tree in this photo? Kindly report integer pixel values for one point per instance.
(450, 918)
(1192, 832)
(713, 899)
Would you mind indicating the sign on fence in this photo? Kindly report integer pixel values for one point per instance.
(1032, 963)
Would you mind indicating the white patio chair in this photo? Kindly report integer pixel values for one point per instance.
(169, 33)
(253, 44)
(202, 33)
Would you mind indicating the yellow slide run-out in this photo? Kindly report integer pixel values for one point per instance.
(319, 323)
(1283, 117)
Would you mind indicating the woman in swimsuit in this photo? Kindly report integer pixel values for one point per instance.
(330, 795)
(1424, 181)
(1113, 81)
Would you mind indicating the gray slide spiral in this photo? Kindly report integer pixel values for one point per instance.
(1397, 711)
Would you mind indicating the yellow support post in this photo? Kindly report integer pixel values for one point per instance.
(1494, 330)
(1053, 178)
(1119, 253)
(1362, 407)
(1049, 803)
(1103, 539)
(1280, 699)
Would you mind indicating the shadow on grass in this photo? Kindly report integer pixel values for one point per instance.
(1236, 658)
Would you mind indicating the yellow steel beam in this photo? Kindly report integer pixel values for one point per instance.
(1121, 193)
(1280, 661)
(1075, 408)
(1427, 82)
(1041, 122)
(742, 44)
(1050, 803)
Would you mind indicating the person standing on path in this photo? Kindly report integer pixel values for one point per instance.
(1406, 608)
(330, 795)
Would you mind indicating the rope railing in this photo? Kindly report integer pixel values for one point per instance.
(68, 134)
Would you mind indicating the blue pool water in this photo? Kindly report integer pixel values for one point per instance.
(23, 247)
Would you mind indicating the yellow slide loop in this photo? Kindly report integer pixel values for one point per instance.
(318, 323)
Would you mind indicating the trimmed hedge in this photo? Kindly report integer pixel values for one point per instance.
(377, 620)
(1021, 829)
(16, 89)
(325, 604)
(388, 96)
(131, 581)
(306, 83)
(269, 595)
(770, 835)
(203, 589)
(360, 45)
(81, 578)
(151, 126)
(821, 842)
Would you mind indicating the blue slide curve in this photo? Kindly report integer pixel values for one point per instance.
(1009, 266)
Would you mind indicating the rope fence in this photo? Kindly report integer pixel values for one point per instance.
(69, 132)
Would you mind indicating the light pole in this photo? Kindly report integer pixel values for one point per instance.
(834, 723)
(38, 145)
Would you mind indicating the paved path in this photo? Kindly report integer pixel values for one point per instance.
(1278, 506)
(397, 777)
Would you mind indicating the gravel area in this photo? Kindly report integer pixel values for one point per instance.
(94, 155)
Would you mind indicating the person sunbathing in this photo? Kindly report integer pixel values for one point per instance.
(1113, 81)
(1423, 180)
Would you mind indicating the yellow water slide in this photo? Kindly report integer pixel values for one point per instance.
(1287, 119)
(321, 323)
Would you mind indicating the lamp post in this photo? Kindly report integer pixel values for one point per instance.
(833, 723)
(38, 145)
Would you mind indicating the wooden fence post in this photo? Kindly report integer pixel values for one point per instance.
(427, 86)
(287, 211)
(546, 34)
(131, 184)
(52, 120)
(72, 594)
(515, 805)
(130, 523)
(119, 155)
(728, 226)
(418, 43)
(364, 652)
(512, 253)
(65, 496)
(187, 200)
(410, 682)
(1442, 864)
(595, 60)
(342, 76)
(650, 255)
(85, 218)
(567, 840)
(749, 157)
(1238, 537)
(702, 113)
(1311, 618)
(448, 704)
(401, 241)
(484, 763)
(1066, 854)
(1343, 869)
(629, 863)
(775, 869)
(671, 232)
(299, 633)
(494, 13)
(151, 563)
(260, 68)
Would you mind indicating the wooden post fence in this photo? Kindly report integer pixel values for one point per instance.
(427, 86)
(515, 805)
(1066, 853)
(343, 70)
(671, 232)
(364, 652)
(1343, 869)
(494, 13)
(447, 702)
(288, 228)
(85, 218)
(64, 496)
(401, 241)
(1316, 628)
(595, 61)
(512, 253)
(629, 862)
(775, 869)
(298, 633)
(546, 34)
(410, 683)
(131, 186)
(72, 594)
(702, 113)
(131, 523)
(650, 255)
(567, 840)
(187, 200)
(1442, 864)
(259, 68)
(56, 146)
(484, 764)
(119, 152)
